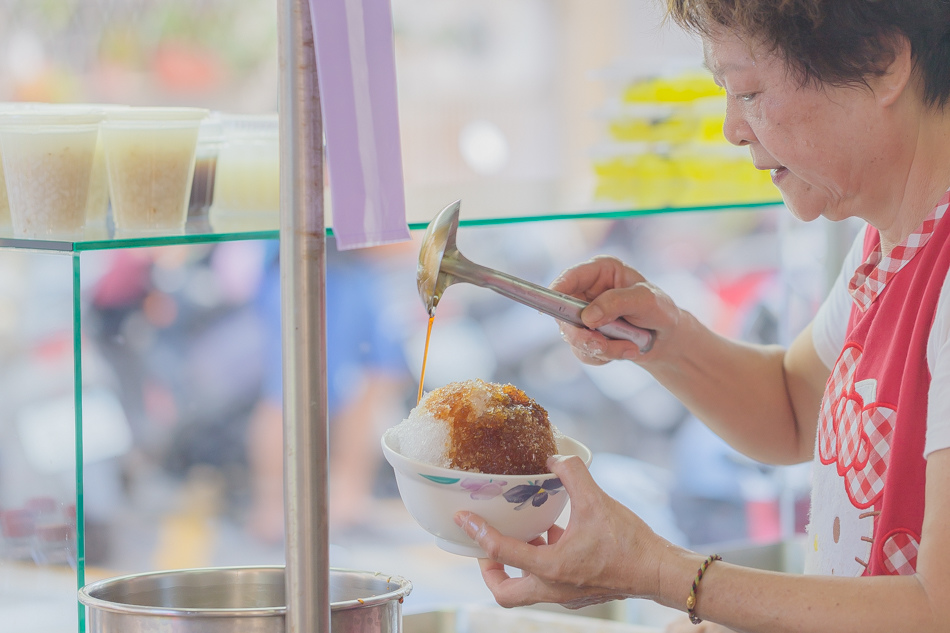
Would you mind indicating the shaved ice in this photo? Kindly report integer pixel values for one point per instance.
(477, 426)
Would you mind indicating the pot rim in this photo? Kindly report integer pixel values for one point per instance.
(86, 597)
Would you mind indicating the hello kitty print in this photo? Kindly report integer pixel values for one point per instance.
(854, 431)
(854, 435)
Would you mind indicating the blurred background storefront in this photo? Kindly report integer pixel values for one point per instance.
(568, 128)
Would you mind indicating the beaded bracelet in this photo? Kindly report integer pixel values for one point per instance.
(691, 601)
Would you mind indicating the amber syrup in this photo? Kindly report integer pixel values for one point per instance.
(425, 357)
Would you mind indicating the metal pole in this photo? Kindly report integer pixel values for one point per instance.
(303, 319)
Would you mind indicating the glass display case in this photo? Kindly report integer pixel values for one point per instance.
(138, 382)
(136, 400)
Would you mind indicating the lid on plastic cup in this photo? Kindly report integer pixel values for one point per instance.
(156, 113)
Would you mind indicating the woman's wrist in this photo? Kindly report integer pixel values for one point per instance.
(677, 345)
(675, 575)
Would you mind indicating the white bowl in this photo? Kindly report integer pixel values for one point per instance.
(520, 506)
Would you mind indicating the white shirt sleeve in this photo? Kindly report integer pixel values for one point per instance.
(831, 321)
(938, 360)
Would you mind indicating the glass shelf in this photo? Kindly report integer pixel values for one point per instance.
(205, 236)
(608, 214)
(106, 243)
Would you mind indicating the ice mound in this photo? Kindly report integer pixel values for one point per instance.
(423, 437)
(478, 426)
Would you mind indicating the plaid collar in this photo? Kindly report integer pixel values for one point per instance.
(877, 270)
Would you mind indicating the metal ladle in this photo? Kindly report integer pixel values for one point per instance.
(441, 265)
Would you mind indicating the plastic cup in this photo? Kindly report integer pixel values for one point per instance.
(47, 155)
(247, 177)
(150, 159)
(210, 137)
(97, 204)
(13, 107)
(5, 220)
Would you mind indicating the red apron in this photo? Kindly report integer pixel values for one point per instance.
(873, 419)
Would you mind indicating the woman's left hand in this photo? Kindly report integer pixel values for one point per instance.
(606, 552)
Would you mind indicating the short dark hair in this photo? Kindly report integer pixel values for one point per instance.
(838, 42)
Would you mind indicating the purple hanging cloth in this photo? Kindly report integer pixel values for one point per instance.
(356, 67)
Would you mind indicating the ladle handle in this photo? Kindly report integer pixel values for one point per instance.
(568, 308)
(551, 302)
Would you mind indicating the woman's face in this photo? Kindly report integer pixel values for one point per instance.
(818, 141)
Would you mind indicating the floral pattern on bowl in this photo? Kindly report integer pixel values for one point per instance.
(433, 495)
(537, 492)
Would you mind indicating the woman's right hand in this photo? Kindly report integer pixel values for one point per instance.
(614, 291)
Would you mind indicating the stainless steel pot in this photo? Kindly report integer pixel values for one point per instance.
(236, 600)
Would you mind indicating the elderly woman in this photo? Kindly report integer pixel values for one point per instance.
(846, 103)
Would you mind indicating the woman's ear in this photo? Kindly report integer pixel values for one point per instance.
(896, 76)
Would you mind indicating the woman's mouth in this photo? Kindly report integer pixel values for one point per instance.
(778, 173)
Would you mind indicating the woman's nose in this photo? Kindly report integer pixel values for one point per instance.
(736, 128)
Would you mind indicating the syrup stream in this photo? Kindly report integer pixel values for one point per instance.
(425, 357)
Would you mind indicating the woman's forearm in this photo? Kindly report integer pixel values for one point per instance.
(741, 391)
(756, 601)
